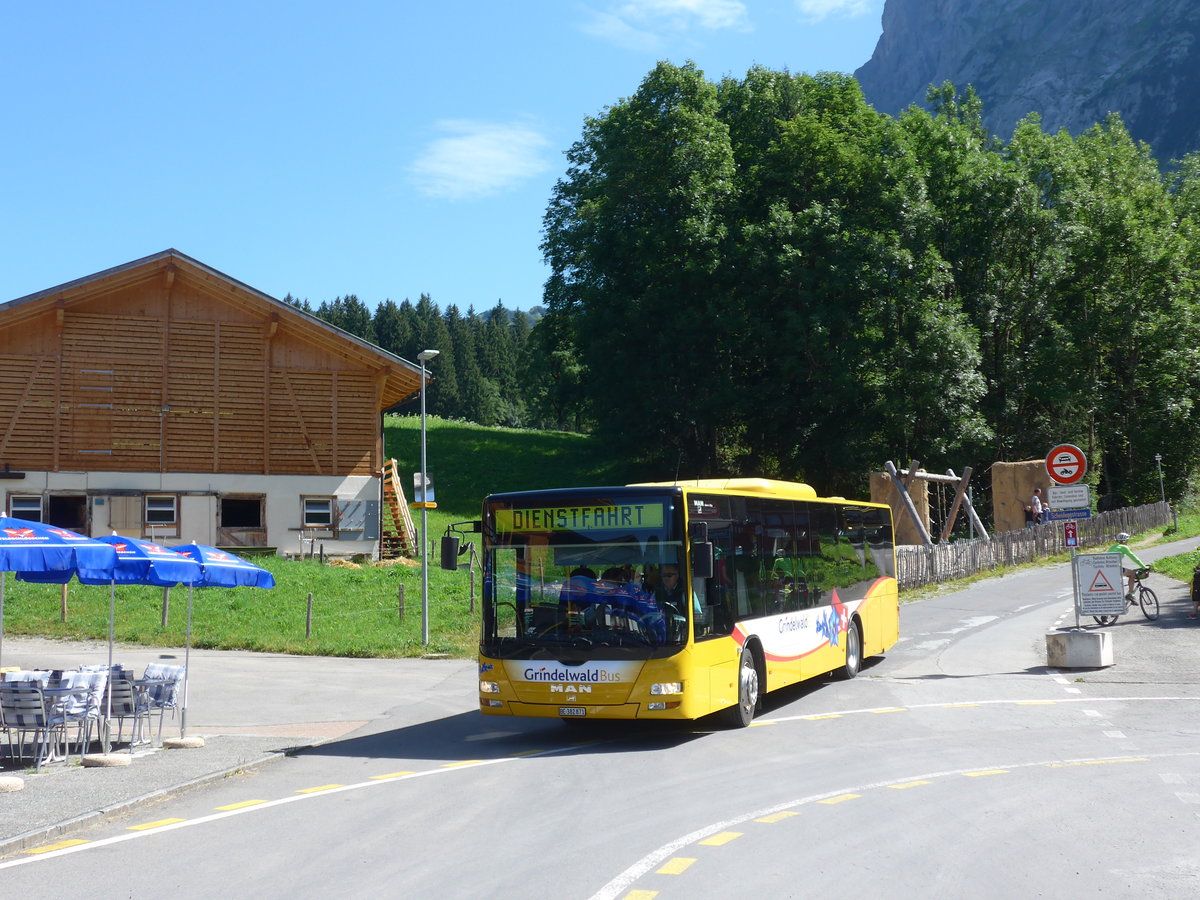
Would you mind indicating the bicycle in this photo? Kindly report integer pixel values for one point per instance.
(1143, 596)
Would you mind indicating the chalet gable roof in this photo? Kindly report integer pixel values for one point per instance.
(402, 378)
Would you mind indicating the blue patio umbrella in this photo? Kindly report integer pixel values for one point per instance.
(137, 562)
(219, 568)
(37, 547)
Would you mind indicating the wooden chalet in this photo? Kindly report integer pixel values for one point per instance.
(164, 399)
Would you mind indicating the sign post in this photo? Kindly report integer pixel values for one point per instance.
(1066, 465)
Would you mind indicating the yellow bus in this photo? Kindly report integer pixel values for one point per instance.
(677, 600)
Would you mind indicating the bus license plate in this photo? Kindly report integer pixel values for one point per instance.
(572, 710)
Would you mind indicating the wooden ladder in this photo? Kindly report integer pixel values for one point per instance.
(397, 537)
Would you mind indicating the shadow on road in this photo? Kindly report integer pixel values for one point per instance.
(471, 736)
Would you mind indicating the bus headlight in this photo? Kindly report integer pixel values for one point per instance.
(667, 687)
(489, 687)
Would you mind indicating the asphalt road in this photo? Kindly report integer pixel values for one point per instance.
(959, 765)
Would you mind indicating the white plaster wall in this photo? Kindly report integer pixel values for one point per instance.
(198, 510)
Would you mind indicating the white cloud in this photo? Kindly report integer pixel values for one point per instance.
(714, 15)
(478, 159)
(816, 10)
(615, 30)
(641, 24)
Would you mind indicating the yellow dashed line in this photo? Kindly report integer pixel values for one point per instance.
(893, 709)
(908, 784)
(777, 817)
(718, 840)
(59, 846)
(241, 805)
(640, 895)
(150, 825)
(840, 798)
(676, 866)
(391, 775)
(529, 753)
(465, 762)
(761, 724)
(985, 772)
(317, 790)
(1097, 762)
(828, 716)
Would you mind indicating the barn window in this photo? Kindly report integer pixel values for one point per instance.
(318, 512)
(161, 509)
(28, 508)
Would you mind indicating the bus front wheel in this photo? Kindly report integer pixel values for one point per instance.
(742, 714)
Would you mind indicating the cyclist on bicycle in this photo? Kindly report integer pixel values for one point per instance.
(1119, 547)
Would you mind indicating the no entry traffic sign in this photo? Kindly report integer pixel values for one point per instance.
(1065, 464)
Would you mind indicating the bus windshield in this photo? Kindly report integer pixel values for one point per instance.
(595, 574)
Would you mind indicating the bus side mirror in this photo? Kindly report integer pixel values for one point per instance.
(703, 563)
(449, 551)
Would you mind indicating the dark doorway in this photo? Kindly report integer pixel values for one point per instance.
(68, 511)
(240, 521)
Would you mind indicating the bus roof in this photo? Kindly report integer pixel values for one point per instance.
(793, 489)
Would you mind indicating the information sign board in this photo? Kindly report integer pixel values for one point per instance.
(1100, 584)
(1069, 496)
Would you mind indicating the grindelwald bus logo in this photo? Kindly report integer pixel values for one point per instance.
(588, 675)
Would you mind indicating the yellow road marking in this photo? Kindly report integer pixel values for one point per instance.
(761, 724)
(640, 895)
(889, 710)
(465, 762)
(1097, 762)
(149, 825)
(827, 716)
(908, 784)
(985, 772)
(317, 790)
(718, 840)
(777, 817)
(241, 805)
(392, 775)
(59, 846)
(840, 798)
(676, 866)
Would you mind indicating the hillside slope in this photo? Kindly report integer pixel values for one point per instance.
(1071, 62)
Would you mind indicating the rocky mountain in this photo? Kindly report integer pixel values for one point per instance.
(1070, 60)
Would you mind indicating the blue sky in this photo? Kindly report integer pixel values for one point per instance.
(384, 149)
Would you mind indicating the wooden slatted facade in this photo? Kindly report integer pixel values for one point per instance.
(165, 365)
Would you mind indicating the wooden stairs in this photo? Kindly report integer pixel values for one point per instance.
(397, 536)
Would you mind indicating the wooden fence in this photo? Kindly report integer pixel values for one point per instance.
(917, 566)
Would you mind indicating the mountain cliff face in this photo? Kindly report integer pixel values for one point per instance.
(1072, 61)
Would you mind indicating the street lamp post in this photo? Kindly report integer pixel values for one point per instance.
(1161, 492)
(424, 356)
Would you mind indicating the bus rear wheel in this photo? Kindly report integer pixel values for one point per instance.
(742, 714)
(853, 651)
